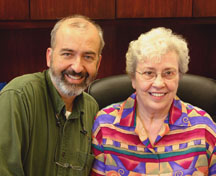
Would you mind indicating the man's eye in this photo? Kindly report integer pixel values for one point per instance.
(66, 54)
(87, 57)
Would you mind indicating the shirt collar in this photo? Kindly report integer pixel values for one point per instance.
(177, 115)
(78, 107)
(127, 112)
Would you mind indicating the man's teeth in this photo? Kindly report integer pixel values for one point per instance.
(158, 94)
(74, 77)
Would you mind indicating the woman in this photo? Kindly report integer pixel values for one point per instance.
(153, 132)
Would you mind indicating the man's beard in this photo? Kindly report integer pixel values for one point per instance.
(68, 89)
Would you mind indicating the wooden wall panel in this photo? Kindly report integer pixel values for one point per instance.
(109, 63)
(54, 9)
(200, 37)
(23, 50)
(14, 9)
(153, 8)
(204, 8)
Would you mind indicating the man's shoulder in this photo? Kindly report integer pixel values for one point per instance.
(89, 99)
(26, 81)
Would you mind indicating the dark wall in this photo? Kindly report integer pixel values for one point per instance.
(23, 45)
(200, 36)
(22, 51)
(25, 27)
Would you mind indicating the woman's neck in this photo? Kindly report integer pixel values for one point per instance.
(152, 122)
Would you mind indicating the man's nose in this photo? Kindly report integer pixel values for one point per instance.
(77, 64)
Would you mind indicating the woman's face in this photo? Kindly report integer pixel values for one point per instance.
(156, 83)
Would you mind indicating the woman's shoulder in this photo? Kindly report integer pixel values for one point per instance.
(111, 110)
(198, 115)
(109, 113)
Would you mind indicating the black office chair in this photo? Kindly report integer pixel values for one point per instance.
(197, 90)
(2, 84)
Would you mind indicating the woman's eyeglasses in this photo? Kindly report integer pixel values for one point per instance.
(150, 75)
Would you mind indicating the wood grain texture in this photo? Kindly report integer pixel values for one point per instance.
(14, 9)
(204, 8)
(55, 9)
(153, 8)
(23, 50)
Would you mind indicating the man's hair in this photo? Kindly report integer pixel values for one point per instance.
(77, 24)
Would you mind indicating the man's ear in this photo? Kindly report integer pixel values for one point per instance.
(48, 56)
(98, 63)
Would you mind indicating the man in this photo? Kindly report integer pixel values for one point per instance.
(46, 118)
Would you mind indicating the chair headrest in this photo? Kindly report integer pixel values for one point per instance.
(197, 90)
(111, 89)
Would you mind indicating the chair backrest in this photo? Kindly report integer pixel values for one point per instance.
(2, 84)
(197, 90)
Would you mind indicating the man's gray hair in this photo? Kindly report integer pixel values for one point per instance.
(77, 24)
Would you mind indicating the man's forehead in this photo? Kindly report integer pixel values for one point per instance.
(78, 23)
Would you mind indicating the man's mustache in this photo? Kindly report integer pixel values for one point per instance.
(73, 73)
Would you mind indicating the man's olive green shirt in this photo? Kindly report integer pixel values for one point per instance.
(35, 137)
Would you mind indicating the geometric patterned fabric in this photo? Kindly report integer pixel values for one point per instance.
(184, 146)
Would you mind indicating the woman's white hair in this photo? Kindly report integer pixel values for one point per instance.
(153, 45)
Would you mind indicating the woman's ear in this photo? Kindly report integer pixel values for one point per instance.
(133, 80)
